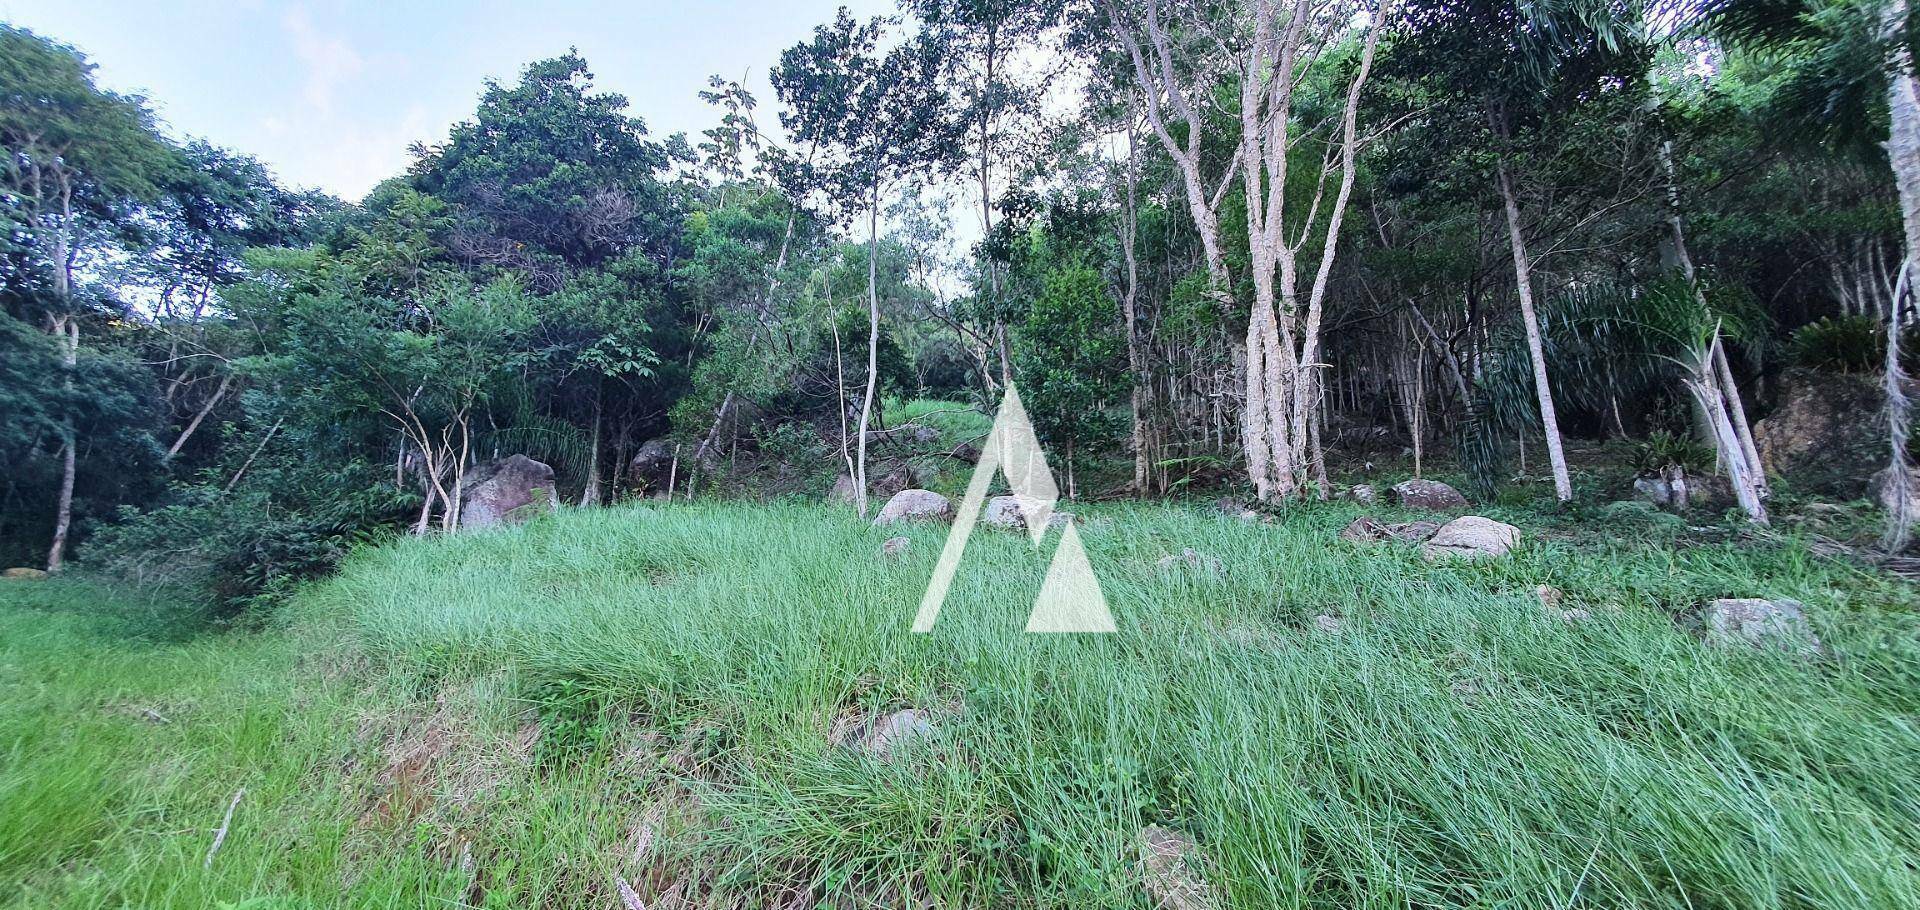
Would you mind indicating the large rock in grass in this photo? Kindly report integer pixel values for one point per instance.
(1428, 494)
(23, 574)
(1666, 492)
(1004, 512)
(900, 477)
(1366, 529)
(652, 464)
(1779, 625)
(1170, 864)
(507, 491)
(887, 736)
(1471, 537)
(1825, 435)
(915, 505)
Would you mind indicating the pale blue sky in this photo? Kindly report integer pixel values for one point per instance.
(329, 93)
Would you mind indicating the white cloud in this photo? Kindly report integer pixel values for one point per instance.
(330, 62)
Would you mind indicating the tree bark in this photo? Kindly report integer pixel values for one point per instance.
(1136, 359)
(68, 327)
(1536, 348)
(212, 402)
(591, 495)
(873, 349)
(1903, 135)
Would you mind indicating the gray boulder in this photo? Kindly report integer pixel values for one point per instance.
(24, 574)
(886, 737)
(508, 491)
(1779, 625)
(1471, 537)
(1005, 512)
(1368, 530)
(1363, 493)
(1428, 494)
(1677, 492)
(1170, 866)
(895, 547)
(915, 505)
(652, 464)
(1822, 435)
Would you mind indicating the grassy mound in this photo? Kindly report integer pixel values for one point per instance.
(649, 698)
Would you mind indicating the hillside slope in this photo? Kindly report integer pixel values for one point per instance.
(676, 700)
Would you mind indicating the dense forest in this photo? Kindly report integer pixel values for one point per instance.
(1250, 247)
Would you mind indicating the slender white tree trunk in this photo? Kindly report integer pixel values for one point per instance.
(1536, 348)
(591, 495)
(1903, 152)
(1136, 359)
(1903, 137)
(873, 350)
(205, 409)
(68, 327)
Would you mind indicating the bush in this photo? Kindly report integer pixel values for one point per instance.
(233, 551)
(1845, 344)
(1661, 449)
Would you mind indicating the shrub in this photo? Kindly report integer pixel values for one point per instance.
(1661, 449)
(232, 551)
(1845, 344)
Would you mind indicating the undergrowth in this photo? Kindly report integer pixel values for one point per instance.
(650, 695)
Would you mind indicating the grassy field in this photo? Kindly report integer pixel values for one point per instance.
(647, 697)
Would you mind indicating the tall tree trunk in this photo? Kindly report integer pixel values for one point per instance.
(1903, 152)
(591, 495)
(873, 349)
(68, 327)
(1903, 135)
(1536, 348)
(1136, 359)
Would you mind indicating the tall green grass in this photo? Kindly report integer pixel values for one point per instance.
(671, 675)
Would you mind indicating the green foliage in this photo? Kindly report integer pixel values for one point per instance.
(551, 176)
(241, 552)
(1071, 360)
(1844, 344)
(1661, 449)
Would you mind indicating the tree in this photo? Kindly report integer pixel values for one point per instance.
(878, 114)
(551, 177)
(982, 43)
(1070, 361)
(1843, 57)
(73, 153)
(1548, 59)
(1265, 53)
